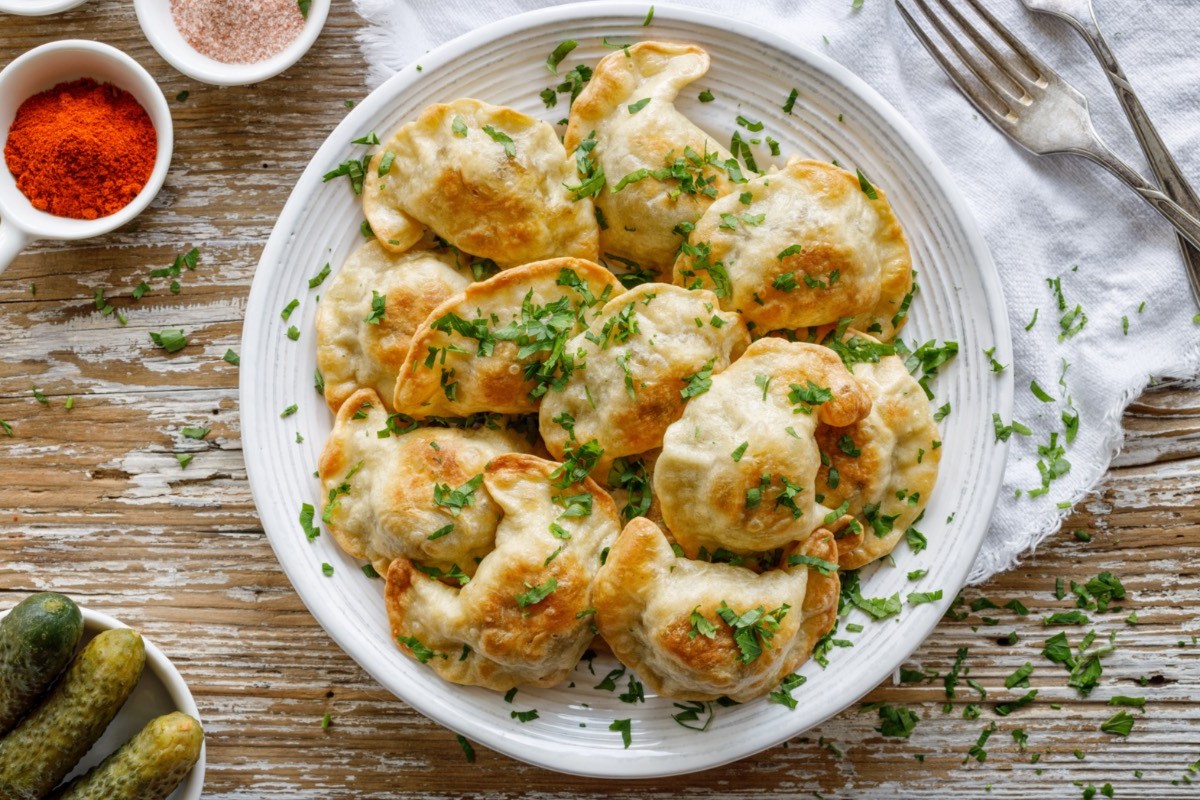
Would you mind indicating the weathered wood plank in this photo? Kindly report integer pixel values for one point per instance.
(94, 503)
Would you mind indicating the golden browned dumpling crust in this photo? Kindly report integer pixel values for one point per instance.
(680, 624)
(523, 618)
(489, 180)
(413, 493)
(737, 470)
(811, 248)
(499, 345)
(642, 216)
(881, 469)
(640, 351)
(357, 346)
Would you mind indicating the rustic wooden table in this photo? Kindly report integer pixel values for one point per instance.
(95, 504)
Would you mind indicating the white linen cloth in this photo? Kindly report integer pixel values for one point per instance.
(1042, 217)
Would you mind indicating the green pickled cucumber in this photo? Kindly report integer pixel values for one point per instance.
(37, 641)
(48, 743)
(148, 767)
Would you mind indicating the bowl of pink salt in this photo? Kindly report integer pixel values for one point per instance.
(232, 42)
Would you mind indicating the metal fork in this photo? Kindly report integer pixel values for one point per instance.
(1028, 101)
(1082, 17)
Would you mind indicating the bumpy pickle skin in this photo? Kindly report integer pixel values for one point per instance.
(147, 767)
(49, 742)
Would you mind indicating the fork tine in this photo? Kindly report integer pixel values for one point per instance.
(1035, 64)
(1021, 81)
(999, 108)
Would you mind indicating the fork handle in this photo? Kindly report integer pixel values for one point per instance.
(1162, 164)
(1187, 225)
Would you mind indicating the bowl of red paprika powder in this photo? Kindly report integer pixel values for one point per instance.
(86, 136)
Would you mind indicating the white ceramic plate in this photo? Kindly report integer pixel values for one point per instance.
(37, 8)
(960, 299)
(160, 691)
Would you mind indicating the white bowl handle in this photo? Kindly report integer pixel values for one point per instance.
(12, 242)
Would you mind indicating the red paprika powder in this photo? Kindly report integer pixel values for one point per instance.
(82, 149)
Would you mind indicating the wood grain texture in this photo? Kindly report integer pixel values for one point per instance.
(93, 503)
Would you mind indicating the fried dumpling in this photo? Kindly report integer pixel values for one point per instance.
(882, 468)
(489, 180)
(624, 126)
(523, 618)
(737, 470)
(414, 493)
(643, 351)
(694, 630)
(499, 344)
(813, 246)
(367, 317)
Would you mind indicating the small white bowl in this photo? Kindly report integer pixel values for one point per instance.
(159, 27)
(160, 691)
(42, 68)
(37, 8)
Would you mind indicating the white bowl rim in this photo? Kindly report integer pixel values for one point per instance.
(37, 8)
(171, 680)
(35, 224)
(509, 742)
(208, 70)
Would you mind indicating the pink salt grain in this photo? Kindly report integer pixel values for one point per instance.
(238, 31)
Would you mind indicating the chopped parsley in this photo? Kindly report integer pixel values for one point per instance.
(1020, 677)
(591, 174)
(896, 721)
(706, 96)
(866, 186)
(171, 339)
(510, 147)
(558, 54)
(701, 626)
(689, 715)
(468, 750)
(445, 530)
(819, 564)
(698, 382)
(1119, 724)
(996, 365)
(458, 499)
(700, 255)
(579, 463)
(753, 629)
(629, 473)
(622, 725)
(355, 171)
(790, 103)
(536, 593)
(810, 395)
(783, 695)
(319, 278)
(638, 106)
(1003, 432)
(385, 163)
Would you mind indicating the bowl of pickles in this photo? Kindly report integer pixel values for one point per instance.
(90, 710)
